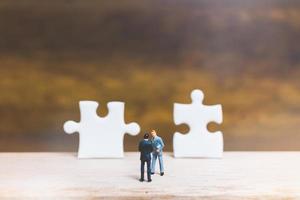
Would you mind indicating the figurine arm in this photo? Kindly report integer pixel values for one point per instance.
(162, 144)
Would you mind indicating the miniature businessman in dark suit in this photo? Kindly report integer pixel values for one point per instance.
(145, 147)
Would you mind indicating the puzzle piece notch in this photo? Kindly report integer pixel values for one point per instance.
(101, 137)
(199, 142)
(88, 111)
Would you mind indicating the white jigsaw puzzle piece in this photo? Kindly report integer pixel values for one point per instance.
(101, 137)
(199, 142)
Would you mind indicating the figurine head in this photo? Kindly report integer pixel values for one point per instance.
(153, 133)
(146, 136)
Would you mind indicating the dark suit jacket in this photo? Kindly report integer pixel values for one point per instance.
(145, 147)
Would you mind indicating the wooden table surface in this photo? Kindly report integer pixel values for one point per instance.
(239, 175)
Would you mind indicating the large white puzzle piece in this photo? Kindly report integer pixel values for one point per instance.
(199, 142)
(101, 137)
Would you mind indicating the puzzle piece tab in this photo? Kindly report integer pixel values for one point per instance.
(101, 137)
(199, 142)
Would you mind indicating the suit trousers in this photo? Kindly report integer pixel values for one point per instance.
(143, 168)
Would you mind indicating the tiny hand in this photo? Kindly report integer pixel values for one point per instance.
(157, 150)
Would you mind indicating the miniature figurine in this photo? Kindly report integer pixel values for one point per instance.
(145, 147)
(158, 145)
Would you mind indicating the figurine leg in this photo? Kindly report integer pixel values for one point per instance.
(142, 169)
(149, 170)
(161, 163)
(154, 157)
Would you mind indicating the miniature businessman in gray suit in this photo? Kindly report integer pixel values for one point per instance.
(158, 145)
(145, 147)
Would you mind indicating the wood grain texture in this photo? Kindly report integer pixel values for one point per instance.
(239, 175)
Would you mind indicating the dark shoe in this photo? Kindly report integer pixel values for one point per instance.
(149, 180)
(162, 173)
(141, 180)
(152, 173)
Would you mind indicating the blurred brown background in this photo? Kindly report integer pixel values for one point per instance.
(150, 54)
